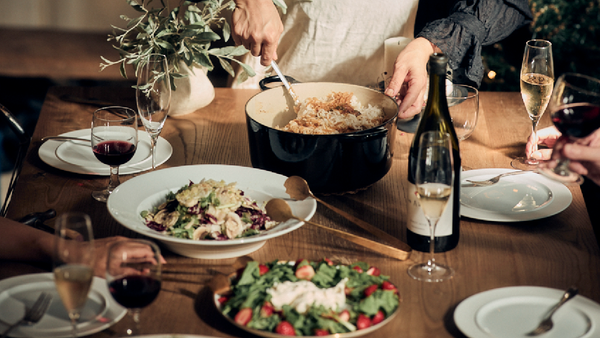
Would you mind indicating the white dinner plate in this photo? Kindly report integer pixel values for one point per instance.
(516, 198)
(512, 312)
(18, 293)
(147, 191)
(77, 157)
(174, 335)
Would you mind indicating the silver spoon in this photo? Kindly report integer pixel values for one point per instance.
(546, 324)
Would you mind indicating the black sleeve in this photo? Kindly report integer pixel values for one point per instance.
(472, 24)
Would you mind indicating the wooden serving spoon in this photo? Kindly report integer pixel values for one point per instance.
(280, 211)
(298, 189)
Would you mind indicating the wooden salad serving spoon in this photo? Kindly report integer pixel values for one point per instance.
(280, 211)
(298, 189)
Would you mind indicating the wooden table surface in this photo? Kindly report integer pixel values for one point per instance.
(556, 252)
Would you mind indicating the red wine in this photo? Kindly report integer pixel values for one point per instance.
(134, 292)
(577, 120)
(114, 152)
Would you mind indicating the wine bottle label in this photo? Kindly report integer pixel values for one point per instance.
(417, 222)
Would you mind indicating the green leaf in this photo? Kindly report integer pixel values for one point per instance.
(281, 4)
(229, 51)
(135, 5)
(226, 31)
(227, 66)
(164, 44)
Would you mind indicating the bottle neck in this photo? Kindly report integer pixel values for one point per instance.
(437, 90)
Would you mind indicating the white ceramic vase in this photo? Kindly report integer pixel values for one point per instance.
(193, 92)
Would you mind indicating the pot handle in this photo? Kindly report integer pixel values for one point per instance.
(274, 79)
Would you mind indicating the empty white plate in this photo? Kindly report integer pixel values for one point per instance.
(516, 198)
(512, 312)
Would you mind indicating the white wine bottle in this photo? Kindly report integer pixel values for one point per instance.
(436, 117)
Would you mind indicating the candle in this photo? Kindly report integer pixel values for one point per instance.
(392, 47)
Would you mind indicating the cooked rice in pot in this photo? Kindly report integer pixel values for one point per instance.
(339, 113)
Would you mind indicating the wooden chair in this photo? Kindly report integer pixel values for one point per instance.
(24, 140)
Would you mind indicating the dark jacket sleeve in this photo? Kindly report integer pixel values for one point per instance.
(471, 25)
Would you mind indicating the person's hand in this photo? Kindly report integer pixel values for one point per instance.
(584, 155)
(409, 80)
(101, 250)
(257, 26)
(548, 137)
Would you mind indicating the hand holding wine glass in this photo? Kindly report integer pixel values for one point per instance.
(114, 141)
(537, 79)
(133, 274)
(153, 96)
(575, 109)
(73, 262)
(434, 180)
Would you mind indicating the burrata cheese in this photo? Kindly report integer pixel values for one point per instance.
(302, 294)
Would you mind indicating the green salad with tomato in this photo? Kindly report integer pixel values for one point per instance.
(309, 298)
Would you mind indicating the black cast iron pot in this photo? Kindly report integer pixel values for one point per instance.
(331, 164)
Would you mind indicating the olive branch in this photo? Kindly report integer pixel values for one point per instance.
(184, 34)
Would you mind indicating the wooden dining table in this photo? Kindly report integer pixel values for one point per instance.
(556, 252)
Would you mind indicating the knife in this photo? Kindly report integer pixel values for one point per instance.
(63, 138)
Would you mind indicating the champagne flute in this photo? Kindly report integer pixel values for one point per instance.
(537, 79)
(114, 141)
(73, 262)
(153, 96)
(434, 180)
(463, 104)
(133, 274)
(575, 111)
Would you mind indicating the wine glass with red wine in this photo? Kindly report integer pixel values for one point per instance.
(575, 112)
(133, 274)
(114, 141)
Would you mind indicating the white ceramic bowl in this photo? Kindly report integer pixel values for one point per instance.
(141, 193)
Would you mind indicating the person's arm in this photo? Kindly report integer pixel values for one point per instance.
(257, 26)
(20, 242)
(471, 25)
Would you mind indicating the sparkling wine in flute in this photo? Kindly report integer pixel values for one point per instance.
(536, 90)
(73, 284)
(537, 80)
(433, 198)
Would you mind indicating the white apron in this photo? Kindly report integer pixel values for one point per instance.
(337, 40)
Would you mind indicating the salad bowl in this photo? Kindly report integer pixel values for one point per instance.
(144, 192)
(265, 319)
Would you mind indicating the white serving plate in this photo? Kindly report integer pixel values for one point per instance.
(144, 192)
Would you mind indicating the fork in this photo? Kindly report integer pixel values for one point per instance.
(495, 179)
(546, 324)
(33, 314)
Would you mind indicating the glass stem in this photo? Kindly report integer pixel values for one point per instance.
(431, 261)
(113, 181)
(534, 123)
(153, 139)
(74, 316)
(136, 329)
(562, 167)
